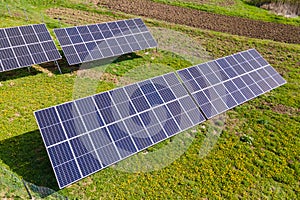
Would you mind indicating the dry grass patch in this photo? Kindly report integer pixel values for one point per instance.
(77, 17)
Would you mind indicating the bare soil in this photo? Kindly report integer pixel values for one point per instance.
(285, 109)
(205, 20)
(282, 109)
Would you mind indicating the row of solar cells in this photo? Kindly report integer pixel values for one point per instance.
(222, 69)
(109, 107)
(227, 82)
(141, 131)
(224, 96)
(94, 50)
(18, 36)
(95, 32)
(27, 45)
(86, 43)
(86, 135)
(23, 56)
(89, 134)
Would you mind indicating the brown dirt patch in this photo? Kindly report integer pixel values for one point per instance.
(204, 20)
(226, 3)
(77, 17)
(282, 109)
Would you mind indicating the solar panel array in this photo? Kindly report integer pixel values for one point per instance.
(24, 46)
(224, 83)
(89, 134)
(93, 42)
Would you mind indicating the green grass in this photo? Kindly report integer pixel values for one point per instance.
(268, 167)
(240, 8)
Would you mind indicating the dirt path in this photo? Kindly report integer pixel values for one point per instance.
(204, 20)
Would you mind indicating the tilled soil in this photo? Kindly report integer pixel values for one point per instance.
(204, 20)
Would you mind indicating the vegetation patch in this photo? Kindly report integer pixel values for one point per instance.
(77, 17)
(221, 3)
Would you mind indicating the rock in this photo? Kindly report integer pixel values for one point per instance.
(283, 9)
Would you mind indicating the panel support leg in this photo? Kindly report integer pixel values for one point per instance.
(25, 13)
(59, 22)
(28, 69)
(27, 190)
(8, 10)
(56, 63)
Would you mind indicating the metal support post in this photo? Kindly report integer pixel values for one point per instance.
(42, 17)
(25, 13)
(56, 63)
(8, 10)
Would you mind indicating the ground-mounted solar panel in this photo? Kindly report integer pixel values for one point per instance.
(24, 46)
(86, 135)
(222, 84)
(98, 41)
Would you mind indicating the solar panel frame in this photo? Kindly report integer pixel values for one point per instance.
(112, 38)
(85, 106)
(172, 102)
(228, 74)
(17, 52)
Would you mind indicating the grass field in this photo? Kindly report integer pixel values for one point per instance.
(264, 167)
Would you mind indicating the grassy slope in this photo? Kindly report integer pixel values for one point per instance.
(239, 8)
(268, 168)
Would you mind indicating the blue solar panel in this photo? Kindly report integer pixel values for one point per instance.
(93, 42)
(26, 45)
(88, 134)
(224, 83)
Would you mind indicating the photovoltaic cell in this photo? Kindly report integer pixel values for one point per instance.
(98, 41)
(89, 134)
(24, 46)
(224, 83)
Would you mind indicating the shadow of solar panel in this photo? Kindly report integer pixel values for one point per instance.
(111, 39)
(227, 82)
(24, 46)
(100, 130)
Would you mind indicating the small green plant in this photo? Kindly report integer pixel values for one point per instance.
(246, 138)
(262, 121)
